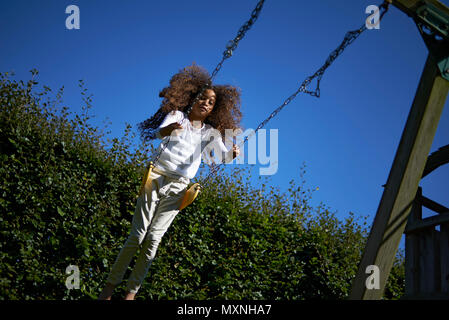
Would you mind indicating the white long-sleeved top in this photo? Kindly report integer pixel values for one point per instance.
(182, 156)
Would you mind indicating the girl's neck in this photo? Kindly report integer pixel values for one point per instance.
(196, 123)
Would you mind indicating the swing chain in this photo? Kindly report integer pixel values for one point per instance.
(232, 44)
(348, 39)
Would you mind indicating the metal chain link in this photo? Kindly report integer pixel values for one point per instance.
(348, 39)
(232, 45)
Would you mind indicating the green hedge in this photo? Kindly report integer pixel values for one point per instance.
(67, 196)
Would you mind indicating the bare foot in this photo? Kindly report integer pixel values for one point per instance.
(106, 294)
(130, 296)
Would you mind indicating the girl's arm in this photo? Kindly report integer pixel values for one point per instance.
(235, 152)
(166, 131)
(170, 123)
(219, 149)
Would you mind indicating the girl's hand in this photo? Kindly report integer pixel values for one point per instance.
(166, 131)
(235, 151)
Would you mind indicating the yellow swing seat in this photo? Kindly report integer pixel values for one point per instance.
(189, 196)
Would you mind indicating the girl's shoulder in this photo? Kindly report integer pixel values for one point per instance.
(176, 115)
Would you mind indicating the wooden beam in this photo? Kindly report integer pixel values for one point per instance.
(402, 184)
(436, 159)
(432, 205)
(412, 250)
(427, 223)
(409, 6)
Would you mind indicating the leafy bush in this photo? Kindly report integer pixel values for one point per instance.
(67, 197)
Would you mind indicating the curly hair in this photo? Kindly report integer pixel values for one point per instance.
(180, 94)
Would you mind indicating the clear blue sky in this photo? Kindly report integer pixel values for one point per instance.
(126, 51)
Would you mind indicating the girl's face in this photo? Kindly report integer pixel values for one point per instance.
(204, 106)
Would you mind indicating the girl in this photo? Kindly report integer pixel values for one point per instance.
(186, 131)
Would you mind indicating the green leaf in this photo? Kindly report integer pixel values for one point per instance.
(61, 213)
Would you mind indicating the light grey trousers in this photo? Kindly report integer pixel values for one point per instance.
(155, 210)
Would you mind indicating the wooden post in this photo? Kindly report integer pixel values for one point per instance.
(412, 250)
(429, 276)
(444, 261)
(402, 184)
